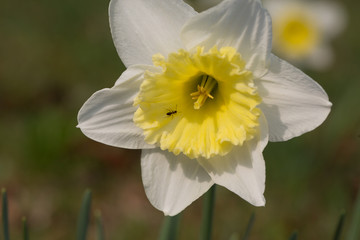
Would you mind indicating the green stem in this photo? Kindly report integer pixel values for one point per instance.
(169, 228)
(354, 230)
(339, 227)
(249, 226)
(83, 220)
(208, 212)
(5, 214)
(99, 226)
(293, 236)
(25, 229)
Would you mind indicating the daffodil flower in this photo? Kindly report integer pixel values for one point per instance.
(303, 30)
(201, 96)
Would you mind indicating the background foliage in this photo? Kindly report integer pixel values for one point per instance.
(55, 54)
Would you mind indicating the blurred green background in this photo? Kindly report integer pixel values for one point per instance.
(55, 54)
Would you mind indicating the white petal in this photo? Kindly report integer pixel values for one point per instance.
(293, 103)
(107, 116)
(142, 28)
(277, 7)
(172, 182)
(243, 169)
(242, 24)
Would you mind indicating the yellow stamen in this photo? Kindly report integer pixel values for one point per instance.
(207, 85)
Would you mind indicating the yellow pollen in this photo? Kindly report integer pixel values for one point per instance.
(203, 91)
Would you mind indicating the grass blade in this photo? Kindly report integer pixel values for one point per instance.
(83, 220)
(234, 236)
(339, 226)
(293, 236)
(5, 217)
(208, 212)
(354, 229)
(249, 226)
(25, 229)
(99, 226)
(169, 229)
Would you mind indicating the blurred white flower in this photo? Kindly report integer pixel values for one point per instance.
(303, 30)
(201, 96)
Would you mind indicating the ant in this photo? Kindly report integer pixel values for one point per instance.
(171, 113)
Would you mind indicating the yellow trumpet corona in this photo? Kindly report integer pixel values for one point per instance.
(216, 102)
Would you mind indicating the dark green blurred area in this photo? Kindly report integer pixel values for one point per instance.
(55, 54)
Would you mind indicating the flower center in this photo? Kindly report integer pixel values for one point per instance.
(207, 85)
(295, 33)
(199, 103)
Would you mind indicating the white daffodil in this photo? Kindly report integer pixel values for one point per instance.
(302, 30)
(201, 96)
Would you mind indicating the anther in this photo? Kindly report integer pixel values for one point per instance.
(204, 90)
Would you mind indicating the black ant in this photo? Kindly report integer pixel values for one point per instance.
(171, 113)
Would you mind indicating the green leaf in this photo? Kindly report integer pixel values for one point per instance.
(354, 230)
(169, 229)
(339, 227)
(208, 212)
(99, 226)
(5, 214)
(83, 220)
(25, 229)
(249, 226)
